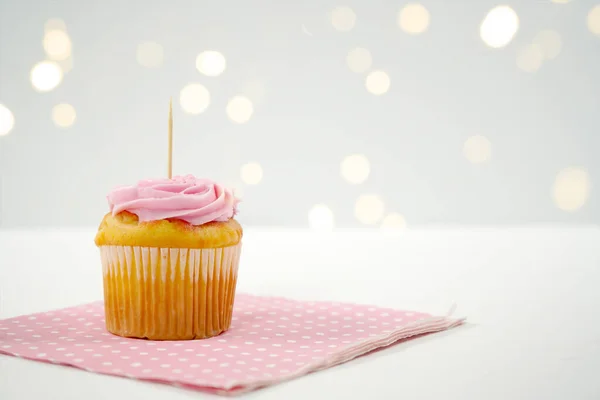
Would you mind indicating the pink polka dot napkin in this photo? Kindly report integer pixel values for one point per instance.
(271, 340)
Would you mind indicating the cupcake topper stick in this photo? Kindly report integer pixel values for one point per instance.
(170, 160)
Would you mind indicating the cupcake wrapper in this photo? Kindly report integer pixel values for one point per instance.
(169, 294)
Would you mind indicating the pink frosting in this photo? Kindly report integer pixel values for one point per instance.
(193, 200)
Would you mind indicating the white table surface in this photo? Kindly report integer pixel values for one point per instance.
(530, 295)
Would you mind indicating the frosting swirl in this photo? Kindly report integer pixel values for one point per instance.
(196, 201)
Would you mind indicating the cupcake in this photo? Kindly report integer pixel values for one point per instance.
(170, 250)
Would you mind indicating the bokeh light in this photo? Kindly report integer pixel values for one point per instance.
(549, 42)
(320, 218)
(150, 54)
(359, 60)
(477, 149)
(46, 76)
(530, 58)
(377, 82)
(211, 63)
(499, 26)
(355, 168)
(561, 1)
(251, 173)
(393, 221)
(593, 20)
(239, 109)
(237, 187)
(57, 45)
(194, 98)
(413, 18)
(369, 209)
(571, 188)
(305, 30)
(63, 115)
(66, 65)
(55, 24)
(7, 120)
(343, 19)
(238, 192)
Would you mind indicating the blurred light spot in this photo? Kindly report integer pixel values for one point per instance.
(571, 188)
(236, 188)
(55, 24)
(593, 20)
(150, 54)
(305, 30)
(211, 63)
(45, 76)
(393, 221)
(63, 115)
(561, 1)
(355, 168)
(239, 109)
(530, 58)
(378, 82)
(369, 209)
(251, 173)
(413, 18)
(238, 192)
(343, 18)
(194, 98)
(549, 42)
(477, 149)
(7, 120)
(499, 26)
(255, 91)
(57, 45)
(66, 65)
(320, 218)
(359, 60)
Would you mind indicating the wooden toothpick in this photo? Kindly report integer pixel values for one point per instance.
(170, 160)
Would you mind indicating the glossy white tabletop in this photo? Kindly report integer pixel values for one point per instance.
(530, 295)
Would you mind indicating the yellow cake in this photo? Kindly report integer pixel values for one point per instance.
(170, 252)
(124, 229)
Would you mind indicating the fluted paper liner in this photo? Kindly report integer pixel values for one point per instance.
(169, 294)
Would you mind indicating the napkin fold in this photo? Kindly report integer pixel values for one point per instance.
(271, 340)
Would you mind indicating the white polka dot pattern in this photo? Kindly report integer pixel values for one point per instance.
(270, 340)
